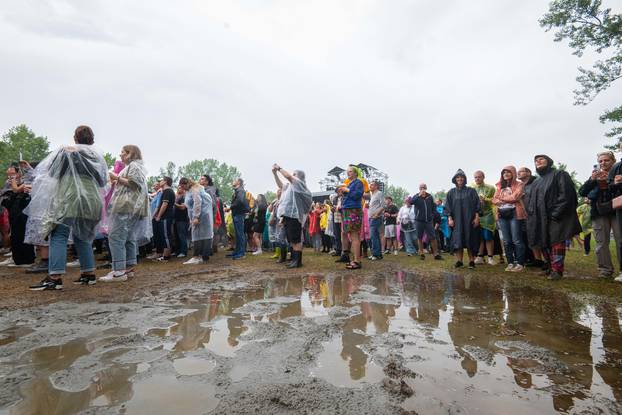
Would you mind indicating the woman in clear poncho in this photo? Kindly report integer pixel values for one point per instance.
(294, 207)
(201, 214)
(71, 185)
(129, 219)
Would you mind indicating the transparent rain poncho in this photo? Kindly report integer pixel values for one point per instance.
(199, 206)
(295, 201)
(68, 189)
(129, 205)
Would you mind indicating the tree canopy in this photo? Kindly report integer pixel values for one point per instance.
(397, 193)
(21, 142)
(222, 174)
(588, 26)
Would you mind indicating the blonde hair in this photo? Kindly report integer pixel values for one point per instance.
(133, 152)
(606, 153)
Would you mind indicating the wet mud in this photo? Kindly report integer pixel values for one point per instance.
(392, 343)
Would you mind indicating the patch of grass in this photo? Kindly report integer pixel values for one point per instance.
(581, 275)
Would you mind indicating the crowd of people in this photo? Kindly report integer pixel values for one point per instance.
(70, 203)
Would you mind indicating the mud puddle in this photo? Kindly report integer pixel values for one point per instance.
(318, 344)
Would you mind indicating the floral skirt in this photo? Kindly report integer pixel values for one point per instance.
(352, 220)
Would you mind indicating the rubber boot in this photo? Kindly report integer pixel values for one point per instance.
(277, 253)
(283, 256)
(296, 260)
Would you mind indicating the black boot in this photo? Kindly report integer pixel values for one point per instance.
(345, 257)
(296, 258)
(283, 257)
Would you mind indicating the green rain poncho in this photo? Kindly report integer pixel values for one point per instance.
(487, 215)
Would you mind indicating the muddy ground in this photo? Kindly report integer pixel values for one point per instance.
(250, 337)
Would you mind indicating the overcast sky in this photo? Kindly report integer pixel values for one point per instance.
(415, 88)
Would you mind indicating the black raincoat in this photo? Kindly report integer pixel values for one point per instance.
(462, 204)
(552, 209)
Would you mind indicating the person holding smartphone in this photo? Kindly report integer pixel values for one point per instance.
(603, 216)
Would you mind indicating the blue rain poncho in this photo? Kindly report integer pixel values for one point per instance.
(199, 205)
(129, 205)
(295, 200)
(68, 189)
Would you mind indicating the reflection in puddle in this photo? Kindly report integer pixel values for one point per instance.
(190, 366)
(343, 364)
(476, 347)
(167, 395)
(13, 333)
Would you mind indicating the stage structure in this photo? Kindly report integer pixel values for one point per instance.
(337, 175)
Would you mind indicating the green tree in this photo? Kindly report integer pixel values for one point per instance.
(441, 194)
(573, 175)
(589, 26)
(222, 174)
(21, 142)
(397, 193)
(110, 160)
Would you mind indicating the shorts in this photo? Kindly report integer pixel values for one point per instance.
(293, 229)
(162, 234)
(487, 235)
(390, 231)
(4, 222)
(427, 228)
(352, 220)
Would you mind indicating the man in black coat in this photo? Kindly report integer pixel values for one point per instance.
(552, 207)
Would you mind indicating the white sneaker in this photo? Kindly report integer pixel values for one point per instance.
(181, 255)
(479, 260)
(194, 261)
(7, 262)
(491, 261)
(395, 252)
(618, 278)
(518, 268)
(258, 252)
(114, 276)
(13, 265)
(509, 268)
(73, 264)
(154, 256)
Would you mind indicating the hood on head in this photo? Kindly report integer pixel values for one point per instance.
(549, 165)
(511, 169)
(459, 173)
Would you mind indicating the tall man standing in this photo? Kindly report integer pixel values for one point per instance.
(164, 217)
(239, 209)
(376, 215)
(425, 211)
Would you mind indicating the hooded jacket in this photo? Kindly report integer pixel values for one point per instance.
(462, 205)
(425, 209)
(552, 209)
(514, 198)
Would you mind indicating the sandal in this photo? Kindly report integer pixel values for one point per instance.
(354, 265)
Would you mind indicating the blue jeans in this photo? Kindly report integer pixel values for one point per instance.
(58, 251)
(123, 247)
(240, 236)
(409, 241)
(181, 230)
(375, 225)
(512, 242)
